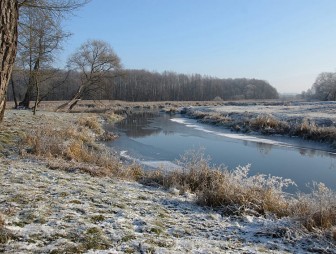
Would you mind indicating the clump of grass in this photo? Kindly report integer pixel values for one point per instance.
(132, 172)
(94, 238)
(47, 141)
(310, 130)
(111, 117)
(2, 221)
(218, 187)
(156, 230)
(5, 234)
(267, 124)
(316, 209)
(75, 148)
(127, 238)
(97, 218)
(64, 145)
(92, 123)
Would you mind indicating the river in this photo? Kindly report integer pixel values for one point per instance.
(158, 139)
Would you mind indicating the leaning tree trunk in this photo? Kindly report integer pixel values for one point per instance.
(8, 43)
(73, 102)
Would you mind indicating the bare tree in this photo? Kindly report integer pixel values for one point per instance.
(95, 60)
(9, 16)
(38, 44)
(325, 87)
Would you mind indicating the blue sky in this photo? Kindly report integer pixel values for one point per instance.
(286, 42)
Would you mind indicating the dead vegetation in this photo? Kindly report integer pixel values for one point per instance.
(317, 209)
(268, 124)
(235, 192)
(71, 145)
(5, 234)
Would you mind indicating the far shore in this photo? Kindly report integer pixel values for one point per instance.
(314, 121)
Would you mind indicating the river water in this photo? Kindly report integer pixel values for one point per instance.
(158, 139)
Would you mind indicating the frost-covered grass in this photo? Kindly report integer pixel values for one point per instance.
(53, 211)
(50, 206)
(74, 145)
(317, 209)
(5, 234)
(312, 121)
(235, 192)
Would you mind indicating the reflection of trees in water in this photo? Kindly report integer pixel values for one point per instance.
(136, 124)
(312, 153)
(167, 133)
(264, 148)
(308, 152)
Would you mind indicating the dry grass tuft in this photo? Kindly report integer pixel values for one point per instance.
(74, 147)
(2, 221)
(310, 130)
(217, 187)
(92, 123)
(5, 234)
(316, 209)
(267, 124)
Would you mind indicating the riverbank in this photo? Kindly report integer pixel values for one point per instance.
(52, 211)
(62, 191)
(308, 120)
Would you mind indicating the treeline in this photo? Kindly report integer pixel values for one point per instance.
(323, 89)
(142, 85)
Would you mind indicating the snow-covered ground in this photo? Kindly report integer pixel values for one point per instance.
(51, 211)
(323, 113)
(55, 211)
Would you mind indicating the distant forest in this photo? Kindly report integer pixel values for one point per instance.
(142, 85)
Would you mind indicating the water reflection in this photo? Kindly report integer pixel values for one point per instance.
(137, 124)
(264, 149)
(143, 124)
(155, 137)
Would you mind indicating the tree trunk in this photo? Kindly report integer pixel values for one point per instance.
(26, 99)
(37, 87)
(9, 15)
(14, 94)
(31, 85)
(75, 99)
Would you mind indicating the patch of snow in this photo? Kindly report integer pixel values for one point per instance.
(231, 135)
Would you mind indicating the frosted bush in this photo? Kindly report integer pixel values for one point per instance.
(316, 209)
(236, 192)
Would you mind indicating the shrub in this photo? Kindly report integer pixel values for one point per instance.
(269, 124)
(219, 187)
(316, 209)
